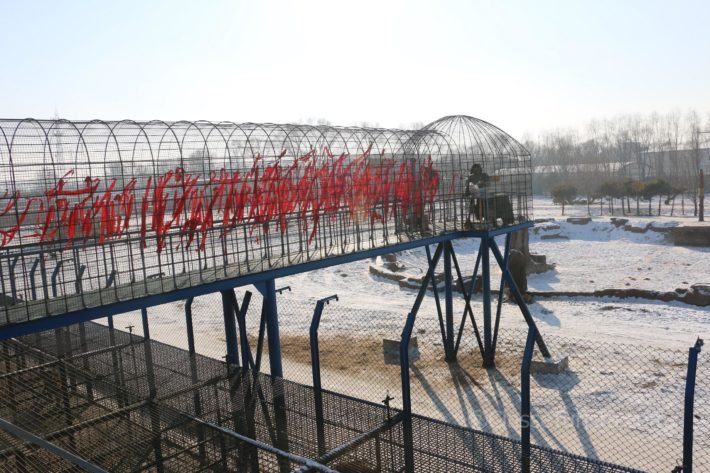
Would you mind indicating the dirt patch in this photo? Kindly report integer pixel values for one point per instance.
(363, 356)
(340, 353)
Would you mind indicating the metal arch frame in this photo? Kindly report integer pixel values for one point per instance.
(274, 136)
(268, 140)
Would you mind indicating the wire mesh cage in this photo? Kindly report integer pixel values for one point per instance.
(92, 213)
(90, 390)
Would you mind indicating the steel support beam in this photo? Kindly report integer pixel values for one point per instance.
(40, 442)
(525, 419)
(154, 421)
(230, 329)
(499, 307)
(519, 299)
(91, 313)
(488, 357)
(449, 352)
(270, 308)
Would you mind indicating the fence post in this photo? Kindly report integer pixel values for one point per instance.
(315, 367)
(525, 420)
(689, 405)
(406, 393)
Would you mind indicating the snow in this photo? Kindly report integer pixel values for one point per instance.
(624, 353)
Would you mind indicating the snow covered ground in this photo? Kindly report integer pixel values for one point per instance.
(620, 395)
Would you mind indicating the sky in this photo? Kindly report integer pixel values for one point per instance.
(525, 66)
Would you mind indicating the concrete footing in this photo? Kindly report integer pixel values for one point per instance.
(554, 365)
(390, 349)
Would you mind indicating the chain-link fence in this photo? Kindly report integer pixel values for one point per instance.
(616, 402)
(178, 413)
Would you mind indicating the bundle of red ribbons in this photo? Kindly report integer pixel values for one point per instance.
(312, 187)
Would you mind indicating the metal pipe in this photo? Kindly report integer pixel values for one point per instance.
(689, 418)
(525, 421)
(230, 328)
(427, 278)
(519, 300)
(268, 291)
(408, 435)
(439, 313)
(359, 440)
(467, 299)
(240, 312)
(155, 422)
(188, 323)
(60, 452)
(488, 358)
(499, 307)
(450, 353)
(315, 369)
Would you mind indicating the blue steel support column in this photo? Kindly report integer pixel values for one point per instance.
(404, 361)
(116, 360)
(268, 290)
(467, 294)
(499, 306)
(241, 313)
(148, 350)
(230, 328)
(408, 434)
(155, 422)
(519, 299)
(450, 353)
(488, 359)
(270, 311)
(196, 400)
(689, 418)
(243, 412)
(85, 361)
(525, 400)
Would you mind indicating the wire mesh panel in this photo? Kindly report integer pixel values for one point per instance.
(93, 213)
(701, 453)
(615, 402)
(236, 421)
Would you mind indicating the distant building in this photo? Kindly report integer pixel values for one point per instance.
(678, 164)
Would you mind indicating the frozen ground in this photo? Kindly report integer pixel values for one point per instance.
(615, 401)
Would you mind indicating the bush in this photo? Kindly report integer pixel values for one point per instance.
(563, 194)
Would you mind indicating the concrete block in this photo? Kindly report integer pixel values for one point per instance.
(390, 348)
(554, 365)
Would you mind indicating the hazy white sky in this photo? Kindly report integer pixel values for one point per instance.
(525, 66)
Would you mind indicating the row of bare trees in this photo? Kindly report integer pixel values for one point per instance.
(670, 147)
